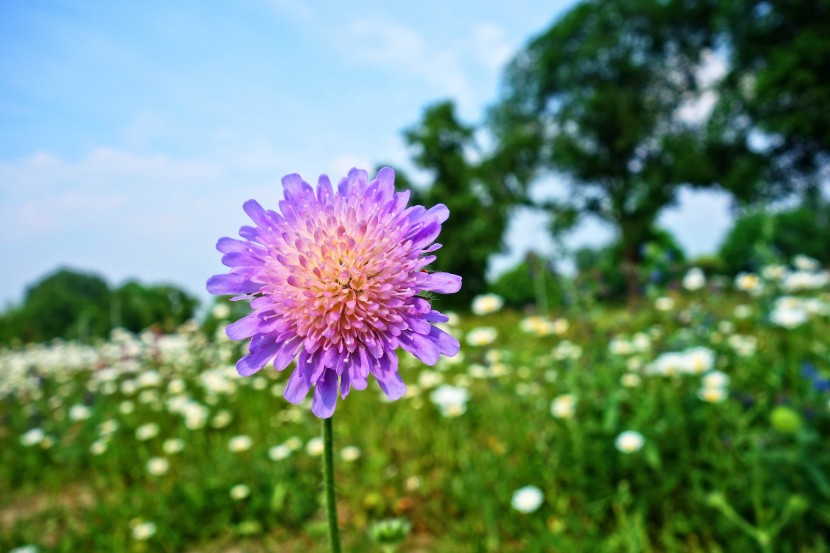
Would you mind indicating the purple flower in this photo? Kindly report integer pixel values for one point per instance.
(335, 277)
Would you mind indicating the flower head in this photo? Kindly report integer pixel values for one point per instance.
(147, 431)
(335, 277)
(482, 336)
(350, 453)
(450, 400)
(240, 443)
(487, 303)
(158, 466)
(142, 530)
(629, 441)
(563, 406)
(279, 452)
(527, 499)
(172, 446)
(694, 279)
(240, 492)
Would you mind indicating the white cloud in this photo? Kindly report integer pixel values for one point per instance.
(115, 211)
(103, 166)
(344, 163)
(398, 48)
(490, 46)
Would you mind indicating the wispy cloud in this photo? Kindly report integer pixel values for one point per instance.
(111, 209)
(344, 163)
(398, 48)
(491, 46)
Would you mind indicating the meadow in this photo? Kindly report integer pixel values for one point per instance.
(695, 419)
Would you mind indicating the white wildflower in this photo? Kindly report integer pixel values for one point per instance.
(563, 406)
(527, 499)
(487, 303)
(240, 443)
(629, 441)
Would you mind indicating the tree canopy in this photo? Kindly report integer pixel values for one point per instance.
(445, 149)
(779, 79)
(608, 99)
(73, 304)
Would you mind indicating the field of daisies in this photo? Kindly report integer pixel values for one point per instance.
(695, 420)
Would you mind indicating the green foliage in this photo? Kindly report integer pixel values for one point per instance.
(479, 210)
(530, 282)
(75, 305)
(600, 274)
(66, 303)
(762, 237)
(599, 91)
(137, 307)
(779, 83)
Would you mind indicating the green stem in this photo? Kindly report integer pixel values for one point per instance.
(328, 480)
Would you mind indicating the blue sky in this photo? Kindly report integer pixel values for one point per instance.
(131, 133)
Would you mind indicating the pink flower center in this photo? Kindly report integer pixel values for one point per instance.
(345, 277)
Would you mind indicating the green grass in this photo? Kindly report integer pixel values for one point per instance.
(726, 476)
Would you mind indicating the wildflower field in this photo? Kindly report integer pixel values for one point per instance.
(695, 420)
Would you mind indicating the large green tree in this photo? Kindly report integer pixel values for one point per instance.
(136, 307)
(479, 203)
(67, 303)
(757, 238)
(594, 100)
(778, 83)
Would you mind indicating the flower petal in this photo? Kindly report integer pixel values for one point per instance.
(228, 245)
(344, 384)
(420, 346)
(436, 317)
(224, 285)
(295, 189)
(297, 387)
(443, 283)
(392, 385)
(288, 350)
(436, 214)
(256, 213)
(325, 193)
(245, 327)
(447, 345)
(325, 395)
(262, 350)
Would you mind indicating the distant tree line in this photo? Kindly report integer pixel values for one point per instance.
(76, 305)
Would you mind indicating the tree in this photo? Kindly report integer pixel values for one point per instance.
(779, 80)
(600, 275)
(531, 282)
(75, 305)
(136, 307)
(66, 303)
(479, 212)
(759, 238)
(594, 100)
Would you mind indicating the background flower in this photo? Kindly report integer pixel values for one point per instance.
(527, 499)
(629, 441)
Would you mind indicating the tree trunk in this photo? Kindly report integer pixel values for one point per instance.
(630, 253)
